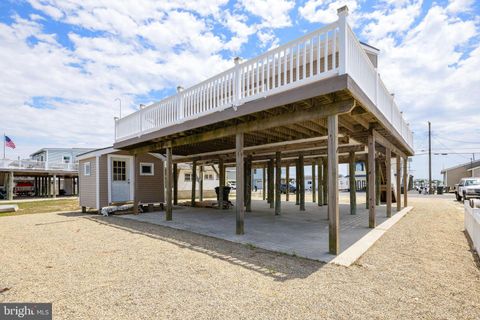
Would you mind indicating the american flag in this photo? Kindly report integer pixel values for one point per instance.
(9, 143)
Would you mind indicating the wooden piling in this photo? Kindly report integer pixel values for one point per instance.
(239, 201)
(333, 210)
(352, 183)
(388, 180)
(278, 182)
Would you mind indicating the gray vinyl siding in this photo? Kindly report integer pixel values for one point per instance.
(87, 184)
(150, 188)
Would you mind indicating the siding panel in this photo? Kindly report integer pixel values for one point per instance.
(87, 184)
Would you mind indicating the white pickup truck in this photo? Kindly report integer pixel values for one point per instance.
(468, 188)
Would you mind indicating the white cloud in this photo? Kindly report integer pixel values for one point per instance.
(393, 16)
(66, 94)
(274, 13)
(326, 11)
(431, 67)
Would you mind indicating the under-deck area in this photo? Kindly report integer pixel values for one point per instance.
(295, 232)
(317, 101)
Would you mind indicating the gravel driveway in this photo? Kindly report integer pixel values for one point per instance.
(93, 267)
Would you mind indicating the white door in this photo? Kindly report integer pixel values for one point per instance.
(120, 179)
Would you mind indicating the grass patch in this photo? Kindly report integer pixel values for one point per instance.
(43, 207)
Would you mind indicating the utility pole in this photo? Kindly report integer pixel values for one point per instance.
(430, 189)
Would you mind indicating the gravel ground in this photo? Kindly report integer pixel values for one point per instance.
(93, 267)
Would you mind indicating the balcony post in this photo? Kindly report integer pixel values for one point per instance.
(181, 112)
(237, 91)
(115, 122)
(342, 46)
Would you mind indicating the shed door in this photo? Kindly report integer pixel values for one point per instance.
(120, 179)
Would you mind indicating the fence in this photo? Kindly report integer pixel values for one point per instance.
(472, 224)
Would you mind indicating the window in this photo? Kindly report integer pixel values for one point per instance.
(66, 159)
(119, 170)
(86, 169)
(146, 169)
(208, 176)
(187, 177)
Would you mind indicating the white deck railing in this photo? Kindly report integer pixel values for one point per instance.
(36, 165)
(327, 52)
(472, 224)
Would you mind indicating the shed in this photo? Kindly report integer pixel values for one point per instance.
(108, 175)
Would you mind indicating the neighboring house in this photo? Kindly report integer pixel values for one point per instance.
(58, 157)
(210, 181)
(360, 177)
(452, 175)
(108, 176)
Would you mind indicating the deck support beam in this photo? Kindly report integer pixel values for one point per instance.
(367, 194)
(287, 182)
(200, 182)
(320, 181)
(371, 181)
(325, 180)
(353, 184)
(278, 182)
(54, 186)
(264, 182)
(405, 181)
(170, 177)
(297, 182)
(221, 180)
(271, 184)
(175, 184)
(239, 201)
(248, 184)
(314, 184)
(302, 181)
(388, 181)
(194, 182)
(333, 210)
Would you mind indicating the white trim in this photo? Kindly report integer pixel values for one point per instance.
(131, 175)
(96, 153)
(97, 183)
(151, 164)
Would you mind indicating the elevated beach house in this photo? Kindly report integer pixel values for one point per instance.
(318, 100)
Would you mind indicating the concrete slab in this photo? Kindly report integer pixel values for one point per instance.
(294, 232)
(8, 208)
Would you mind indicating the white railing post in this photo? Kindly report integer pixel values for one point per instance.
(342, 46)
(115, 123)
(140, 118)
(237, 90)
(181, 113)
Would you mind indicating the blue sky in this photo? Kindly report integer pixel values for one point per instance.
(64, 62)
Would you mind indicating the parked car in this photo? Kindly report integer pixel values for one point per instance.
(468, 188)
(291, 188)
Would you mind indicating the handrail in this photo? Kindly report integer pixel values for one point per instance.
(29, 164)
